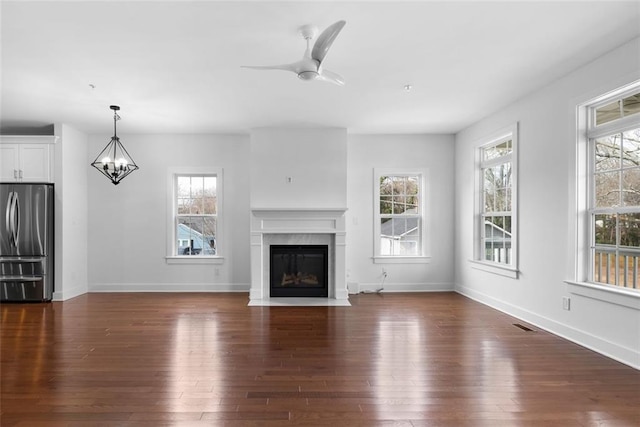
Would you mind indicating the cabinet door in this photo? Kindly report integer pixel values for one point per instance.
(35, 162)
(9, 162)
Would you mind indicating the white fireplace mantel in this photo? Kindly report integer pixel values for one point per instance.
(298, 225)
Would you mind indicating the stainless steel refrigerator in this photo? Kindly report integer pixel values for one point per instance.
(26, 242)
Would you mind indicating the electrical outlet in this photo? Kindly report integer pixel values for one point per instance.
(566, 303)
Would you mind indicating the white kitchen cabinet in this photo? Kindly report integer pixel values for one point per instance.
(26, 158)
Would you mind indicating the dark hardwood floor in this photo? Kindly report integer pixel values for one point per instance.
(434, 359)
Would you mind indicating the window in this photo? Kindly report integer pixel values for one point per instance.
(495, 227)
(613, 138)
(195, 215)
(399, 216)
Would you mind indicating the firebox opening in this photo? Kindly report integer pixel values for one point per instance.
(299, 270)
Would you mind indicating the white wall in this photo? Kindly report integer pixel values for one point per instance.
(128, 225)
(70, 171)
(547, 138)
(314, 159)
(128, 222)
(432, 152)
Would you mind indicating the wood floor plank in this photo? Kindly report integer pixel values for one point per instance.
(202, 359)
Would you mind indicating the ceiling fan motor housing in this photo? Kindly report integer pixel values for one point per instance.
(308, 75)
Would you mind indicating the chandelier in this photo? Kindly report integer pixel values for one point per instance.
(114, 161)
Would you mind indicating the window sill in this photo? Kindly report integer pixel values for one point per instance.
(401, 259)
(502, 270)
(194, 259)
(613, 295)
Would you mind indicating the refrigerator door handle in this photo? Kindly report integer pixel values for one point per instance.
(8, 220)
(16, 219)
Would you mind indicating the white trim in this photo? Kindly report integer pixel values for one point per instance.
(396, 287)
(401, 259)
(612, 294)
(194, 260)
(495, 268)
(169, 287)
(29, 139)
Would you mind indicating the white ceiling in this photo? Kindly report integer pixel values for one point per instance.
(174, 66)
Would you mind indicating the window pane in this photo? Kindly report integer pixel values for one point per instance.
(507, 224)
(607, 153)
(629, 225)
(196, 236)
(488, 202)
(631, 187)
(489, 190)
(184, 186)
(385, 204)
(605, 229)
(497, 239)
(210, 198)
(399, 236)
(502, 202)
(604, 270)
(499, 150)
(628, 269)
(607, 189)
(608, 113)
(497, 188)
(631, 105)
(209, 244)
(197, 194)
(183, 194)
(399, 194)
(631, 148)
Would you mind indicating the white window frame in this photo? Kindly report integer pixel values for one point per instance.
(423, 220)
(594, 132)
(479, 261)
(580, 283)
(172, 257)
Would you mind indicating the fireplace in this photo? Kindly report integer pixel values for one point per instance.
(273, 227)
(299, 270)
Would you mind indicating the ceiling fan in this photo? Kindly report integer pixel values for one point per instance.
(310, 66)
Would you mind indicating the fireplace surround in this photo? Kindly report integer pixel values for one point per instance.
(294, 226)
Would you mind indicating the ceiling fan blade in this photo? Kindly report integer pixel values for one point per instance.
(325, 40)
(330, 76)
(285, 67)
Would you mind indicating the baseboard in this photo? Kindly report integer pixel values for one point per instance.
(614, 351)
(67, 294)
(355, 288)
(169, 287)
